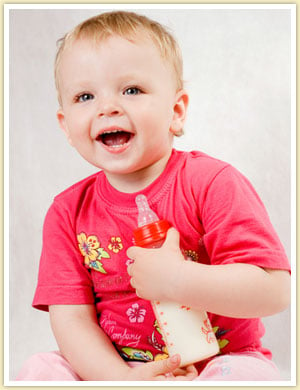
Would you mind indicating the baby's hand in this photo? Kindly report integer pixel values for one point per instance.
(155, 272)
(162, 370)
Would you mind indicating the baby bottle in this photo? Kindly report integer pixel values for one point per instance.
(185, 331)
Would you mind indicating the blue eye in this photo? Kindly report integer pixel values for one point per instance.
(84, 97)
(132, 91)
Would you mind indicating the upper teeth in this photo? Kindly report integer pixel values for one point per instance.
(111, 131)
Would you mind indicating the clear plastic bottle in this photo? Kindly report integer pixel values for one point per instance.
(185, 331)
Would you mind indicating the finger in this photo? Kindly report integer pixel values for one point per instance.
(169, 375)
(172, 363)
(192, 371)
(134, 251)
(133, 285)
(172, 238)
(179, 371)
(132, 282)
(181, 378)
(187, 371)
(131, 252)
(165, 366)
(177, 376)
(130, 269)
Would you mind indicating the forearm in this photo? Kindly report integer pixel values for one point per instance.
(84, 344)
(233, 290)
(92, 355)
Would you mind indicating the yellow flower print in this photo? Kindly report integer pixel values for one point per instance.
(88, 247)
(115, 244)
(162, 356)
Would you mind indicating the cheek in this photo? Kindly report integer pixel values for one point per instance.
(164, 110)
(79, 125)
(155, 115)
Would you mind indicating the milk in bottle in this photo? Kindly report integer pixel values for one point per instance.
(185, 331)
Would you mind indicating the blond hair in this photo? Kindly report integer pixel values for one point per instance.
(129, 25)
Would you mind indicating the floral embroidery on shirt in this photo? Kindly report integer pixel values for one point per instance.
(191, 255)
(115, 244)
(157, 328)
(90, 249)
(137, 354)
(136, 314)
(154, 342)
(220, 332)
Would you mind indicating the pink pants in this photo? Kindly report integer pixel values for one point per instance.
(250, 366)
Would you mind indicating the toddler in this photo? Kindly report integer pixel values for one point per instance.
(120, 90)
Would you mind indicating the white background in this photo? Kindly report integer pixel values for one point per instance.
(237, 72)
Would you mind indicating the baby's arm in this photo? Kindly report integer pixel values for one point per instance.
(234, 290)
(91, 354)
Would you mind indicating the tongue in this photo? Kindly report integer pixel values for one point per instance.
(116, 139)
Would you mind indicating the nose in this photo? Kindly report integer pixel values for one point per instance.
(109, 108)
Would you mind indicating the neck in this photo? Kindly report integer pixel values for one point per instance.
(138, 180)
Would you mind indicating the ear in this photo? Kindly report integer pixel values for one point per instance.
(63, 125)
(179, 111)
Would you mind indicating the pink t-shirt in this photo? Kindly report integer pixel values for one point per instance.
(89, 227)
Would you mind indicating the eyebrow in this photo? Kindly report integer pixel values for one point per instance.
(75, 88)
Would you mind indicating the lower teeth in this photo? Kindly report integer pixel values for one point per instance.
(117, 146)
(116, 140)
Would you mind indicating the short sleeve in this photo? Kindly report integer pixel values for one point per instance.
(237, 226)
(62, 278)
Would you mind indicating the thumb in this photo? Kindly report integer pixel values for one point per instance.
(170, 364)
(172, 238)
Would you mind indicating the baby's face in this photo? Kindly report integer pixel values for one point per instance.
(120, 106)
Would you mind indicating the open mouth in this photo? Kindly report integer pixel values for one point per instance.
(115, 138)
